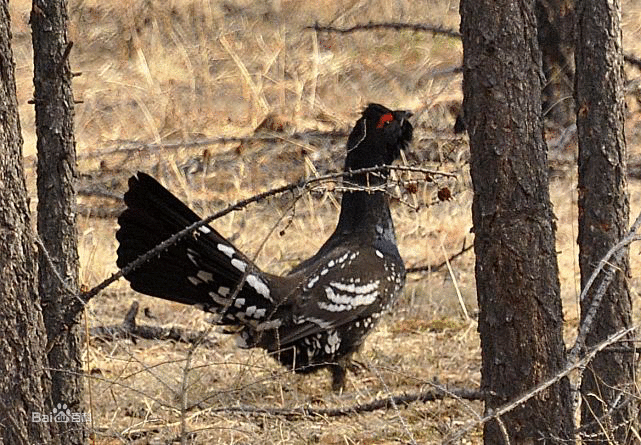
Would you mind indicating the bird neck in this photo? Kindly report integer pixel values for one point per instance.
(366, 213)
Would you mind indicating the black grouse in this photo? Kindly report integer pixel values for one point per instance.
(318, 314)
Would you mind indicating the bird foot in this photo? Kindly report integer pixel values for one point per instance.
(339, 372)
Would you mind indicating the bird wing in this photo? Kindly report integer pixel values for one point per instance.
(346, 286)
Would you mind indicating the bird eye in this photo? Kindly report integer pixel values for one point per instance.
(384, 120)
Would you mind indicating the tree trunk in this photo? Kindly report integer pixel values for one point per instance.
(24, 383)
(520, 319)
(555, 26)
(54, 106)
(603, 215)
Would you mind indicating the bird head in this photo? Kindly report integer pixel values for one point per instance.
(377, 138)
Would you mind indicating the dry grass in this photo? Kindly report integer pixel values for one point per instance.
(193, 69)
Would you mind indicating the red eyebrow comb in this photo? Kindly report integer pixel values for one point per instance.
(387, 117)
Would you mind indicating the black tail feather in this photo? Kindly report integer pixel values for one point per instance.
(202, 269)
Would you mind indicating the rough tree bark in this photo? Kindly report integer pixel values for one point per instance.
(24, 382)
(603, 215)
(54, 104)
(520, 319)
(555, 26)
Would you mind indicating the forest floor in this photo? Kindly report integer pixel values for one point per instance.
(156, 77)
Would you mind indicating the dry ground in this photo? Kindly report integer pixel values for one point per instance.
(185, 70)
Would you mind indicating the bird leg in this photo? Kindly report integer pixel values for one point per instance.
(339, 371)
(338, 376)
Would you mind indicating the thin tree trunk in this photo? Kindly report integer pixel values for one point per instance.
(54, 106)
(520, 319)
(24, 382)
(603, 215)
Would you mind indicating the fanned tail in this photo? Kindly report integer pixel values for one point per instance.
(202, 269)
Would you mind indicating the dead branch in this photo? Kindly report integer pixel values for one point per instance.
(93, 211)
(396, 26)
(428, 395)
(129, 329)
(559, 143)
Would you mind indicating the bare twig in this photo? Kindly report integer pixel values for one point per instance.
(435, 29)
(506, 436)
(44, 252)
(99, 212)
(64, 58)
(444, 72)
(100, 192)
(562, 140)
(603, 417)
